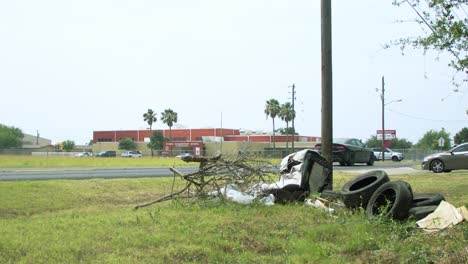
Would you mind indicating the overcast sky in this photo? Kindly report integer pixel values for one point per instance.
(68, 68)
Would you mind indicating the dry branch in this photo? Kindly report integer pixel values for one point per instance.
(216, 172)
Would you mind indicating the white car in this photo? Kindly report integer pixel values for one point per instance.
(388, 154)
(132, 154)
(84, 154)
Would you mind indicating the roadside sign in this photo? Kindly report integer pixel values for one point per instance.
(389, 134)
(441, 141)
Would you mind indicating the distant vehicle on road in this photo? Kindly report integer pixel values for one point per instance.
(454, 159)
(131, 154)
(84, 154)
(348, 151)
(107, 153)
(183, 155)
(388, 154)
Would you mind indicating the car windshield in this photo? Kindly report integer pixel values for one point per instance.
(460, 148)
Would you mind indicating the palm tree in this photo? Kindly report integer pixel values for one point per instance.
(272, 109)
(150, 118)
(287, 114)
(169, 117)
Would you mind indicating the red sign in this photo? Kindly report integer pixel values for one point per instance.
(389, 134)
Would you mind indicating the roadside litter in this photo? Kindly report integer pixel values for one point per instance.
(303, 175)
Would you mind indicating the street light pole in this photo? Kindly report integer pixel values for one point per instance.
(382, 96)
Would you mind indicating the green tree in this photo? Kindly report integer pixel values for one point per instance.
(462, 136)
(373, 142)
(150, 118)
(272, 109)
(287, 114)
(10, 137)
(127, 144)
(157, 141)
(288, 131)
(68, 145)
(430, 140)
(445, 29)
(399, 143)
(169, 117)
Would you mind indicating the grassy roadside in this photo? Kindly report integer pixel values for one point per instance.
(11, 161)
(93, 221)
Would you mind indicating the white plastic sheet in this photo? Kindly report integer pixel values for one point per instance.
(233, 193)
(444, 216)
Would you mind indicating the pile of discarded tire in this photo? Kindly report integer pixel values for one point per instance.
(380, 197)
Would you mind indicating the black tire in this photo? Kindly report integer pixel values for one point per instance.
(357, 192)
(408, 186)
(422, 211)
(426, 199)
(391, 200)
(342, 163)
(395, 158)
(437, 166)
(371, 160)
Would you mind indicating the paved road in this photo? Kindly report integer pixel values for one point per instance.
(136, 172)
(84, 173)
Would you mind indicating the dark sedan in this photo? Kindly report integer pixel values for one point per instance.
(348, 151)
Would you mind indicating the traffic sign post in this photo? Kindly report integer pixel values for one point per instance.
(441, 142)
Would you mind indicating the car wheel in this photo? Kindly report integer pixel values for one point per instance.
(391, 200)
(395, 158)
(358, 191)
(342, 163)
(437, 166)
(371, 160)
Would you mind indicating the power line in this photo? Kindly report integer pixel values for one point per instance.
(423, 118)
(461, 6)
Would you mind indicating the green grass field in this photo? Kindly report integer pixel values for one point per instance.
(10, 161)
(93, 221)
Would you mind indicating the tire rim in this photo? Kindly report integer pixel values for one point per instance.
(437, 166)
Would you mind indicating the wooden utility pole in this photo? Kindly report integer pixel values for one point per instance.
(327, 87)
(382, 96)
(294, 111)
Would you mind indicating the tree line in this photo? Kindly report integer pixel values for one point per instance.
(168, 117)
(285, 112)
(11, 137)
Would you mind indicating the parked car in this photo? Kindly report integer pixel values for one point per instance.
(107, 153)
(183, 155)
(388, 154)
(454, 159)
(348, 151)
(84, 154)
(132, 154)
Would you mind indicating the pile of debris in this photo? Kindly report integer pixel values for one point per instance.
(248, 179)
(305, 176)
